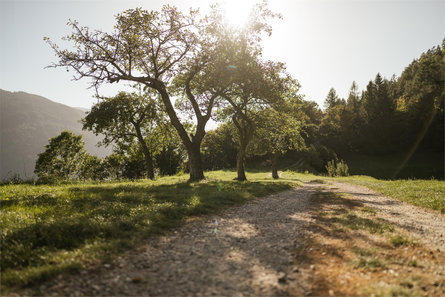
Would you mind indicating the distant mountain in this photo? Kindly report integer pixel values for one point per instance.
(27, 122)
(82, 109)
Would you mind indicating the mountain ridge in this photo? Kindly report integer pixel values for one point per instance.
(27, 122)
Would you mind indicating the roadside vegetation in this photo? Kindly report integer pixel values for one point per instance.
(424, 193)
(419, 192)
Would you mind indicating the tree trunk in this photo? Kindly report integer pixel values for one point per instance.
(147, 154)
(149, 164)
(275, 157)
(240, 158)
(195, 163)
(193, 145)
(245, 130)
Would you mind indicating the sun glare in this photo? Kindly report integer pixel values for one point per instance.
(237, 11)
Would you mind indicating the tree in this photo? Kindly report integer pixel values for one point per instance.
(219, 148)
(312, 116)
(379, 107)
(353, 120)
(254, 86)
(153, 48)
(332, 99)
(93, 168)
(63, 158)
(420, 100)
(126, 117)
(279, 130)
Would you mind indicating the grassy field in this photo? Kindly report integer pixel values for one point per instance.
(47, 230)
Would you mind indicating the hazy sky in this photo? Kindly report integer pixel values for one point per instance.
(324, 43)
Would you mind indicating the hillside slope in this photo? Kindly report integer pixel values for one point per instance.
(27, 122)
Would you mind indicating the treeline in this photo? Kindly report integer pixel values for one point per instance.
(401, 114)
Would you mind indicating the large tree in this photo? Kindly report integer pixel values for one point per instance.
(153, 48)
(255, 85)
(279, 130)
(129, 116)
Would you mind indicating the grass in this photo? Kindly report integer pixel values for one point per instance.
(370, 263)
(48, 230)
(426, 193)
(400, 240)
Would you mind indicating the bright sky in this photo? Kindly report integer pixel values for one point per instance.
(324, 43)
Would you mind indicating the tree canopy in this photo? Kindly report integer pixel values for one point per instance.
(127, 117)
(63, 158)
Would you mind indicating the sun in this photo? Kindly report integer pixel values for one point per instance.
(237, 11)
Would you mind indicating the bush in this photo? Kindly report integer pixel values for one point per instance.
(330, 168)
(335, 168)
(62, 159)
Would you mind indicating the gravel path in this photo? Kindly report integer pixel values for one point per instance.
(250, 253)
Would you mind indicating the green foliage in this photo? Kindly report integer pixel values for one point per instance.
(331, 168)
(219, 147)
(398, 115)
(126, 118)
(400, 240)
(47, 230)
(169, 160)
(279, 128)
(337, 168)
(63, 158)
(332, 100)
(93, 168)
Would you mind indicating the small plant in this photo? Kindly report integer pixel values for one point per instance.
(370, 263)
(369, 210)
(336, 168)
(400, 240)
(362, 251)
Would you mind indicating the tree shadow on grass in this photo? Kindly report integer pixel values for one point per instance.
(119, 217)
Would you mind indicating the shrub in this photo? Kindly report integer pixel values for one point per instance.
(336, 168)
